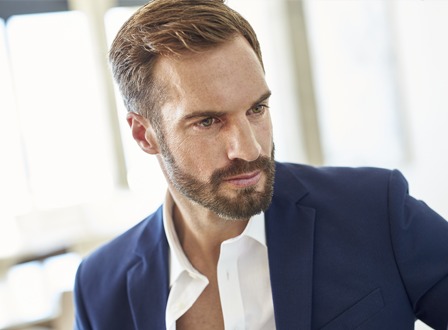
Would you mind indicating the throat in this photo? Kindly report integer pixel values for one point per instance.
(201, 235)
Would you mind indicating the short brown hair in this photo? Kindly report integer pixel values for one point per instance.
(169, 28)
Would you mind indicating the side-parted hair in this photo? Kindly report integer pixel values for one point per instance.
(168, 28)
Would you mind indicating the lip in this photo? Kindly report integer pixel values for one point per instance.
(245, 180)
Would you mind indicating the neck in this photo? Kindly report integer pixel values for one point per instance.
(201, 232)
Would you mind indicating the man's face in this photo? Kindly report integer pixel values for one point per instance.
(216, 145)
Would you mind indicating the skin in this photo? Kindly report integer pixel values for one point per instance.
(217, 113)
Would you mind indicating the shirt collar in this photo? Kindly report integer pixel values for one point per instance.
(178, 261)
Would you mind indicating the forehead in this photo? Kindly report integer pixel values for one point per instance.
(223, 78)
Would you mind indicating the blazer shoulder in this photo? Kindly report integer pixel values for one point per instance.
(339, 176)
(124, 250)
(114, 281)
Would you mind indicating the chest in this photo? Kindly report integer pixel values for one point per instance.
(206, 312)
(238, 293)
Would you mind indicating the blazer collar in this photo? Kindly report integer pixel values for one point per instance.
(147, 280)
(290, 240)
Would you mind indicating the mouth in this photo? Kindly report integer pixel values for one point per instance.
(244, 180)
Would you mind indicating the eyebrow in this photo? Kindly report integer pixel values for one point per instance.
(197, 114)
(261, 99)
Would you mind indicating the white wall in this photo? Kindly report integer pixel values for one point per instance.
(421, 30)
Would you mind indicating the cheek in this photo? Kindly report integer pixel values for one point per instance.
(265, 136)
(198, 158)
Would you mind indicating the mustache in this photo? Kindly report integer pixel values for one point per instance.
(239, 166)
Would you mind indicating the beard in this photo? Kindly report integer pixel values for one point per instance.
(247, 202)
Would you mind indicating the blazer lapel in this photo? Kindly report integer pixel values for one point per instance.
(290, 240)
(148, 280)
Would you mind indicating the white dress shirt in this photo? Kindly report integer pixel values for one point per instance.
(243, 277)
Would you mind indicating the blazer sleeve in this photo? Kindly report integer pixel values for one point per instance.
(81, 318)
(420, 242)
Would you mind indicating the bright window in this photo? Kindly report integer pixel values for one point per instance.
(59, 107)
(356, 78)
(13, 188)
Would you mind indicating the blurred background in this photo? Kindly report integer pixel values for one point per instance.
(355, 83)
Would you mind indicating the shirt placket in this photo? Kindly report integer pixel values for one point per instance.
(229, 286)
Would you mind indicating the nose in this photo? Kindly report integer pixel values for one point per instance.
(242, 142)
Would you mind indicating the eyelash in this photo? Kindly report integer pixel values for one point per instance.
(262, 109)
(201, 122)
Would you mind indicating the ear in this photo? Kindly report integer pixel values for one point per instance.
(143, 133)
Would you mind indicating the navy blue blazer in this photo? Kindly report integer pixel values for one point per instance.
(348, 249)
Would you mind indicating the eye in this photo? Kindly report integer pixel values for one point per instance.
(207, 122)
(259, 109)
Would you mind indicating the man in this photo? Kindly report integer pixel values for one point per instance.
(242, 241)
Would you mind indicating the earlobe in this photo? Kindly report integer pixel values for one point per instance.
(143, 133)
